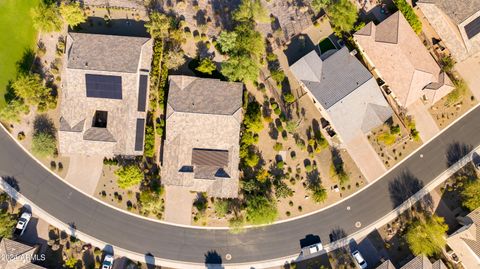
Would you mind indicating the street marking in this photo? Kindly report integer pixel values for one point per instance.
(358, 224)
(228, 256)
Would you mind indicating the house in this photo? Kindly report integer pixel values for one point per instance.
(201, 148)
(15, 255)
(104, 95)
(419, 262)
(456, 22)
(399, 58)
(349, 98)
(465, 242)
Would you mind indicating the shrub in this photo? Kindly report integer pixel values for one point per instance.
(21, 136)
(43, 144)
(278, 146)
(129, 176)
(149, 148)
(261, 210)
(289, 98)
(151, 202)
(386, 138)
(221, 207)
(280, 164)
(319, 194)
(252, 160)
(409, 15)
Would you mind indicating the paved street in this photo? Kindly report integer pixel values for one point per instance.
(193, 245)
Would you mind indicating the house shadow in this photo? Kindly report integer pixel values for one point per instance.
(121, 27)
(299, 46)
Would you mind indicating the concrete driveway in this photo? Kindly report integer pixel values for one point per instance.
(84, 172)
(365, 157)
(425, 124)
(468, 69)
(178, 204)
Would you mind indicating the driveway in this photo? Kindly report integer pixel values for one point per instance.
(425, 124)
(178, 204)
(365, 157)
(468, 69)
(84, 172)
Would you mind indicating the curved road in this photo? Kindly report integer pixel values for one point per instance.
(191, 245)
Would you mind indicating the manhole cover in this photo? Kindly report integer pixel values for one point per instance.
(348, 208)
(358, 224)
(228, 257)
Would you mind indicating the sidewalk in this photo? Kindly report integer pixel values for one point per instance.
(425, 124)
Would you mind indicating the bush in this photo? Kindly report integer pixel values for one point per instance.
(7, 223)
(151, 202)
(44, 144)
(280, 164)
(289, 98)
(447, 63)
(409, 15)
(456, 94)
(319, 194)
(21, 136)
(221, 207)
(386, 138)
(278, 146)
(261, 210)
(129, 176)
(149, 148)
(252, 160)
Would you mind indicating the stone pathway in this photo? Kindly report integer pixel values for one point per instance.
(425, 124)
(84, 172)
(178, 205)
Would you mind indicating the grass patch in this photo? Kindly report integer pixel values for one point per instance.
(326, 45)
(386, 138)
(18, 36)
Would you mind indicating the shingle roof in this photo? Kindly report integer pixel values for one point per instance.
(386, 265)
(422, 262)
(10, 249)
(334, 78)
(206, 96)
(105, 52)
(457, 10)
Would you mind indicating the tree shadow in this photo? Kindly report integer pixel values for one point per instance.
(457, 151)
(43, 124)
(25, 63)
(299, 46)
(200, 17)
(273, 131)
(213, 260)
(405, 186)
(88, 259)
(223, 9)
(122, 27)
(203, 51)
(310, 239)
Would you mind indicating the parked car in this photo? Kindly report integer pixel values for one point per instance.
(22, 224)
(359, 259)
(107, 262)
(312, 249)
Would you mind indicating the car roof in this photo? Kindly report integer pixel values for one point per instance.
(358, 256)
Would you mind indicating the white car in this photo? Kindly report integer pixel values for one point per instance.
(107, 262)
(22, 224)
(312, 249)
(359, 259)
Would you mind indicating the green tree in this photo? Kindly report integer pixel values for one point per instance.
(447, 63)
(222, 207)
(31, 89)
(318, 5)
(129, 176)
(427, 237)
(319, 193)
(253, 117)
(44, 144)
(471, 195)
(252, 159)
(261, 210)
(46, 18)
(207, 66)
(227, 41)
(72, 13)
(71, 262)
(249, 138)
(289, 98)
(251, 10)
(159, 25)
(278, 146)
(409, 15)
(13, 111)
(342, 14)
(240, 68)
(7, 223)
(149, 146)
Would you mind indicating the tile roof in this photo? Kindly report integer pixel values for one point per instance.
(457, 10)
(105, 52)
(402, 60)
(332, 79)
(207, 96)
(343, 86)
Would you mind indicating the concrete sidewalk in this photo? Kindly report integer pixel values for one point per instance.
(84, 172)
(365, 157)
(425, 124)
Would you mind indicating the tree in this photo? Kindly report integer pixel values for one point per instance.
(129, 176)
(471, 195)
(227, 41)
(31, 89)
(278, 146)
(427, 237)
(263, 175)
(159, 25)
(174, 59)
(261, 210)
(207, 66)
(13, 110)
(342, 14)
(253, 117)
(318, 5)
(319, 193)
(289, 98)
(282, 190)
(252, 160)
(7, 223)
(46, 18)
(251, 10)
(409, 15)
(72, 13)
(44, 144)
(240, 68)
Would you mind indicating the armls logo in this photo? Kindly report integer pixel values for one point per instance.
(23, 257)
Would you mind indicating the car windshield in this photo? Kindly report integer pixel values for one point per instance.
(21, 220)
(106, 263)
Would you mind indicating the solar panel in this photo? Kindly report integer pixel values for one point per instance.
(139, 133)
(101, 86)
(142, 93)
(473, 28)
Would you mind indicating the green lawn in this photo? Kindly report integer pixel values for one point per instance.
(16, 36)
